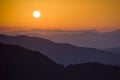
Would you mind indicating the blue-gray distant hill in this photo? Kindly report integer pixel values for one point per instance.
(114, 50)
(63, 53)
(81, 38)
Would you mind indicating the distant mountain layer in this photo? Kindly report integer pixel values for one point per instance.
(83, 38)
(61, 52)
(115, 50)
(18, 63)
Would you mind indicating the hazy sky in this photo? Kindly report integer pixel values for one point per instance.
(101, 15)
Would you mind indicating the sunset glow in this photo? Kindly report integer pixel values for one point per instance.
(103, 15)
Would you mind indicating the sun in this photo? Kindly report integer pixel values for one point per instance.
(36, 14)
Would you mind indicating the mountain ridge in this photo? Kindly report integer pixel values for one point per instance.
(83, 38)
(114, 50)
(61, 52)
(18, 63)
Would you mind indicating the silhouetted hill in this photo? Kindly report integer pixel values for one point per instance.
(92, 71)
(115, 50)
(63, 53)
(17, 63)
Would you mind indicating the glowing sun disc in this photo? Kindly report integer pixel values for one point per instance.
(36, 14)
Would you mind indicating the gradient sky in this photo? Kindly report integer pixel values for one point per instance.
(103, 15)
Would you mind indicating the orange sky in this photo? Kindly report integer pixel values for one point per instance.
(103, 15)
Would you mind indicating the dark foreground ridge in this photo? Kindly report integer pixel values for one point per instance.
(17, 63)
